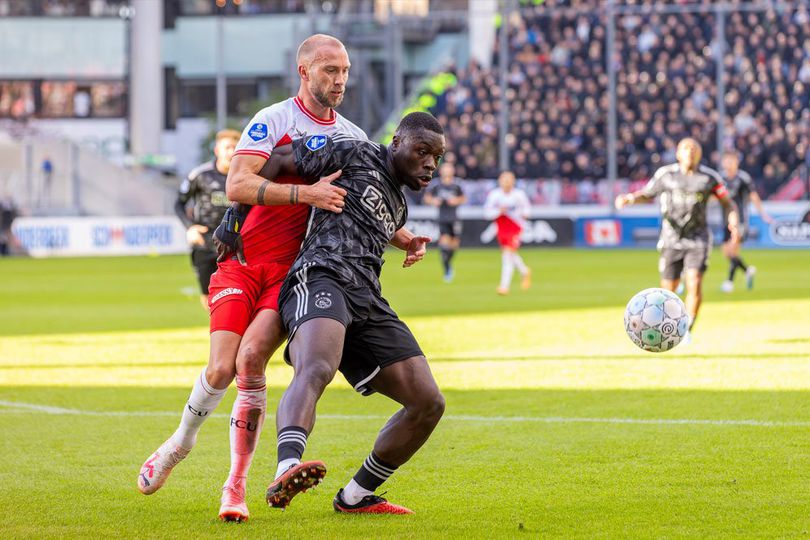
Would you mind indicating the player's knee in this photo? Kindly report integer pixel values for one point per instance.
(431, 409)
(437, 406)
(219, 375)
(251, 360)
(317, 373)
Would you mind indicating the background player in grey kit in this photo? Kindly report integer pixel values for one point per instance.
(336, 316)
(741, 190)
(447, 196)
(685, 240)
(201, 203)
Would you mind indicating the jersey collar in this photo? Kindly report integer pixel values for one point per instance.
(311, 115)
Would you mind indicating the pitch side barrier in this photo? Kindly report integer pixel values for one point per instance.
(576, 225)
(603, 227)
(94, 236)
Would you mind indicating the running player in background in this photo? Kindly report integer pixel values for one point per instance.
(337, 318)
(741, 190)
(201, 203)
(245, 325)
(447, 197)
(685, 240)
(509, 207)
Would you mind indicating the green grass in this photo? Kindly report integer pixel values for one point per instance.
(542, 435)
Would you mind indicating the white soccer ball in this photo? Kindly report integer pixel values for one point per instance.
(656, 320)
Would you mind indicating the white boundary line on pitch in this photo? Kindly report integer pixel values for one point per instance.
(21, 407)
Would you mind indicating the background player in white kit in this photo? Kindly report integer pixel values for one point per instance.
(509, 208)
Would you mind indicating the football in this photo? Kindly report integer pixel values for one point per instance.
(656, 320)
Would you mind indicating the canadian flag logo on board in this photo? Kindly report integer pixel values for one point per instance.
(603, 232)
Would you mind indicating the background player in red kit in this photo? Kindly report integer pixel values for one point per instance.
(509, 208)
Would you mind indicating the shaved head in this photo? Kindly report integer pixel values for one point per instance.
(688, 154)
(323, 66)
(312, 47)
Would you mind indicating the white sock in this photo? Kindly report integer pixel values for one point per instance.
(519, 264)
(507, 267)
(353, 493)
(201, 403)
(285, 464)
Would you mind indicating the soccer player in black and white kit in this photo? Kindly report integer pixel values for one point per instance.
(336, 316)
(684, 188)
(204, 192)
(447, 196)
(741, 190)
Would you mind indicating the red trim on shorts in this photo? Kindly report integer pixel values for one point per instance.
(311, 115)
(265, 155)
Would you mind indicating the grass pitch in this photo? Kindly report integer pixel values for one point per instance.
(556, 425)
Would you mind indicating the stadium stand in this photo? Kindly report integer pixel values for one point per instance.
(557, 90)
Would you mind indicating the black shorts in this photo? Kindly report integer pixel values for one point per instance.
(375, 336)
(204, 262)
(727, 234)
(450, 228)
(674, 261)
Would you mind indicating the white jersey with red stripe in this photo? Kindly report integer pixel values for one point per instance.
(273, 234)
(515, 205)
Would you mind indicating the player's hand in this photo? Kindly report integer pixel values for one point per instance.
(323, 194)
(194, 235)
(416, 250)
(225, 251)
(623, 200)
(227, 239)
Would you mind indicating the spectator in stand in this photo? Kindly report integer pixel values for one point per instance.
(666, 88)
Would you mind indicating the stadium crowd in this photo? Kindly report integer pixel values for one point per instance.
(666, 88)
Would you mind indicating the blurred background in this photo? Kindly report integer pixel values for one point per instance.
(106, 105)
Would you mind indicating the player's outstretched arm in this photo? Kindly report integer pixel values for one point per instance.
(626, 199)
(415, 247)
(757, 201)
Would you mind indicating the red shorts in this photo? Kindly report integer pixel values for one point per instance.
(508, 232)
(237, 293)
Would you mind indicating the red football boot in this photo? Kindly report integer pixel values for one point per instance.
(370, 504)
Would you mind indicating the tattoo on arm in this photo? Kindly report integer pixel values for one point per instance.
(293, 194)
(260, 194)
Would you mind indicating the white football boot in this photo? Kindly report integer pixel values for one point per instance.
(157, 468)
(727, 286)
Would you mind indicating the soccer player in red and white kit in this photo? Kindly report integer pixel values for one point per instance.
(245, 324)
(509, 208)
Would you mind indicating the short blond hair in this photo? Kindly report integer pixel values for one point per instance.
(227, 134)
